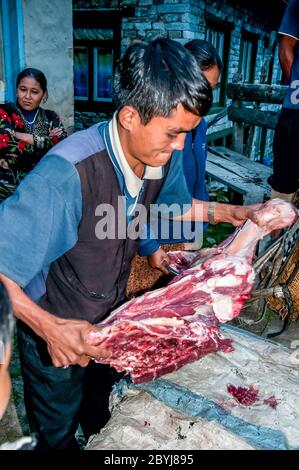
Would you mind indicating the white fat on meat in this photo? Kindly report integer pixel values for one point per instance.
(223, 307)
(173, 321)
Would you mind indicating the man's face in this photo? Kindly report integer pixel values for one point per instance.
(154, 143)
(5, 384)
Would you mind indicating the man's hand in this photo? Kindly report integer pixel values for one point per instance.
(271, 215)
(239, 214)
(66, 339)
(67, 345)
(157, 258)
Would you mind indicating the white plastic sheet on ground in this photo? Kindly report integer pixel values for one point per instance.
(192, 409)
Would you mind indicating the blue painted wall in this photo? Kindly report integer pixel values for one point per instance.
(13, 43)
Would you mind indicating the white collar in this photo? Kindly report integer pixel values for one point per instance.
(133, 183)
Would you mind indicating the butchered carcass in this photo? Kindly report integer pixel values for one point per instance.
(162, 330)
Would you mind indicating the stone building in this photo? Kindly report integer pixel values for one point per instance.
(240, 30)
(77, 43)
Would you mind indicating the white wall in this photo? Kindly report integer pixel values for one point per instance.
(48, 37)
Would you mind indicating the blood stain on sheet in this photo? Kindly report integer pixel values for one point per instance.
(246, 396)
(271, 401)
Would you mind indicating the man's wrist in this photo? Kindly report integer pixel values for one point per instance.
(211, 212)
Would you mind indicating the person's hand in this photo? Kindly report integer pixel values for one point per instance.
(239, 214)
(157, 258)
(10, 131)
(66, 341)
(57, 131)
(28, 138)
(272, 215)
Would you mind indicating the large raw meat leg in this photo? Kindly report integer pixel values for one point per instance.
(162, 330)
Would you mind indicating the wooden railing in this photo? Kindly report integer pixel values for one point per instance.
(245, 107)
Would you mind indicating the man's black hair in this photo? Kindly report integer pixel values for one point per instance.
(6, 320)
(156, 77)
(205, 54)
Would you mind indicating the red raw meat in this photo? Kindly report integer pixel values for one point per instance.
(162, 330)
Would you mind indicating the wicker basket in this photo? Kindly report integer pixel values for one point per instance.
(289, 279)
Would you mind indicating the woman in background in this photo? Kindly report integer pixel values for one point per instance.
(27, 131)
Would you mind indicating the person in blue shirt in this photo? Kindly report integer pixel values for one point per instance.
(285, 178)
(69, 232)
(144, 272)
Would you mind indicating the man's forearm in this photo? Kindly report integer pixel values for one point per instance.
(286, 59)
(65, 338)
(287, 48)
(200, 209)
(235, 215)
(26, 310)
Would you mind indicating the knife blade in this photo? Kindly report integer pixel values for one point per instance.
(171, 269)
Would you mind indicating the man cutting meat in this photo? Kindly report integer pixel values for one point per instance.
(61, 274)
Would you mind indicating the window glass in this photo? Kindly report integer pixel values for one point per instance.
(96, 48)
(247, 58)
(81, 73)
(217, 39)
(103, 70)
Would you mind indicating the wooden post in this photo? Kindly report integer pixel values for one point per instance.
(238, 137)
(238, 127)
(263, 78)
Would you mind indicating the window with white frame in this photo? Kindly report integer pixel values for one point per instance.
(93, 65)
(96, 49)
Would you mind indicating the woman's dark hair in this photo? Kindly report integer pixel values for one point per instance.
(36, 74)
(205, 53)
(6, 320)
(156, 77)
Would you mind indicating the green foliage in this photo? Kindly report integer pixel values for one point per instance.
(215, 234)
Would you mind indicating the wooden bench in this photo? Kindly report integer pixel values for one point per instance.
(242, 175)
(239, 173)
